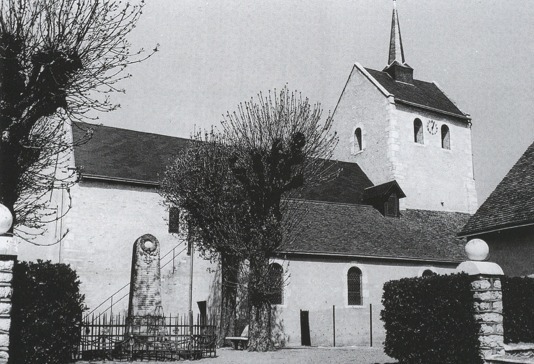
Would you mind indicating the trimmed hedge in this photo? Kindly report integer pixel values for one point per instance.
(518, 309)
(46, 313)
(431, 320)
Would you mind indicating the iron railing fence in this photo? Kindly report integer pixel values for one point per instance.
(148, 338)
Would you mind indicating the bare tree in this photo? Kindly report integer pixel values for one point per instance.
(239, 191)
(200, 183)
(279, 145)
(59, 61)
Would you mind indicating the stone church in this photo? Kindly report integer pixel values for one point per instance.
(406, 189)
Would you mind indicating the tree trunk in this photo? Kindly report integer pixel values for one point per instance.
(260, 322)
(260, 328)
(229, 284)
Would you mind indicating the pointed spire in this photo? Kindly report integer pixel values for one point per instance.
(396, 52)
(397, 67)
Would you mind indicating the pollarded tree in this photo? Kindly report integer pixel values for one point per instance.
(200, 184)
(59, 60)
(236, 191)
(278, 146)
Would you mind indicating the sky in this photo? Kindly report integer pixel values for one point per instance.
(215, 54)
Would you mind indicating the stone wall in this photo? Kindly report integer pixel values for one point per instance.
(487, 295)
(6, 275)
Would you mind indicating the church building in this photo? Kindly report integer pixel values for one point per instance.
(405, 190)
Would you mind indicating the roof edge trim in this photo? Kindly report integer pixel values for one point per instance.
(409, 103)
(450, 98)
(502, 227)
(372, 80)
(374, 257)
(96, 177)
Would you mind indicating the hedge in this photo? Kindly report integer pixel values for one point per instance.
(431, 320)
(46, 313)
(518, 309)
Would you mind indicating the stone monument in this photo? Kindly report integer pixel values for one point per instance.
(144, 309)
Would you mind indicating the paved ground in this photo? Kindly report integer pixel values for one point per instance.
(352, 355)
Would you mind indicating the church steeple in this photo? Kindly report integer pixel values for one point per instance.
(396, 52)
(397, 67)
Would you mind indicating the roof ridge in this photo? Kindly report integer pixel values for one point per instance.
(130, 130)
(320, 202)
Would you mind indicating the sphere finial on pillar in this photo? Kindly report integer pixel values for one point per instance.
(6, 219)
(477, 249)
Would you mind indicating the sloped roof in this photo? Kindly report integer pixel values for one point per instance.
(132, 156)
(347, 187)
(380, 191)
(124, 154)
(420, 93)
(360, 230)
(511, 203)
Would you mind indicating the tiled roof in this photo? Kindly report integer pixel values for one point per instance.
(511, 203)
(128, 155)
(124, 154)
(425, 94)
(360, 230)
(382, 190)
(348, 187)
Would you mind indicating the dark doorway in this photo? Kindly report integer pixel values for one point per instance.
(305, 328)
(203, 312)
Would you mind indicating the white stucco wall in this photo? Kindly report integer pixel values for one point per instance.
(316, 285)
(361, 104)
(431, 177)
(434, 178)
(103, 224)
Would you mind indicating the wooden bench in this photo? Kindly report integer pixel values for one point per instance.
(238, 341)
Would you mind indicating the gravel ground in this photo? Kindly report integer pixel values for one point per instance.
(353, 355)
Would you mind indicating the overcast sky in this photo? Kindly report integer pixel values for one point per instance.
(215, 54)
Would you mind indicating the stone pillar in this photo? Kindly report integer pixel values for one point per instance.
(7, 262)
(487, 297)
(8, 256)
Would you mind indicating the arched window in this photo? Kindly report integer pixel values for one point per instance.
(276, 278)
(358, 146)
(354, 285)
(418, 131)
(445, 137)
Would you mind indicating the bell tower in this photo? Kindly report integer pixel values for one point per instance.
(401, 129)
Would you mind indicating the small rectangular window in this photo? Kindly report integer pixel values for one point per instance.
(391, 206)
(174, 220)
